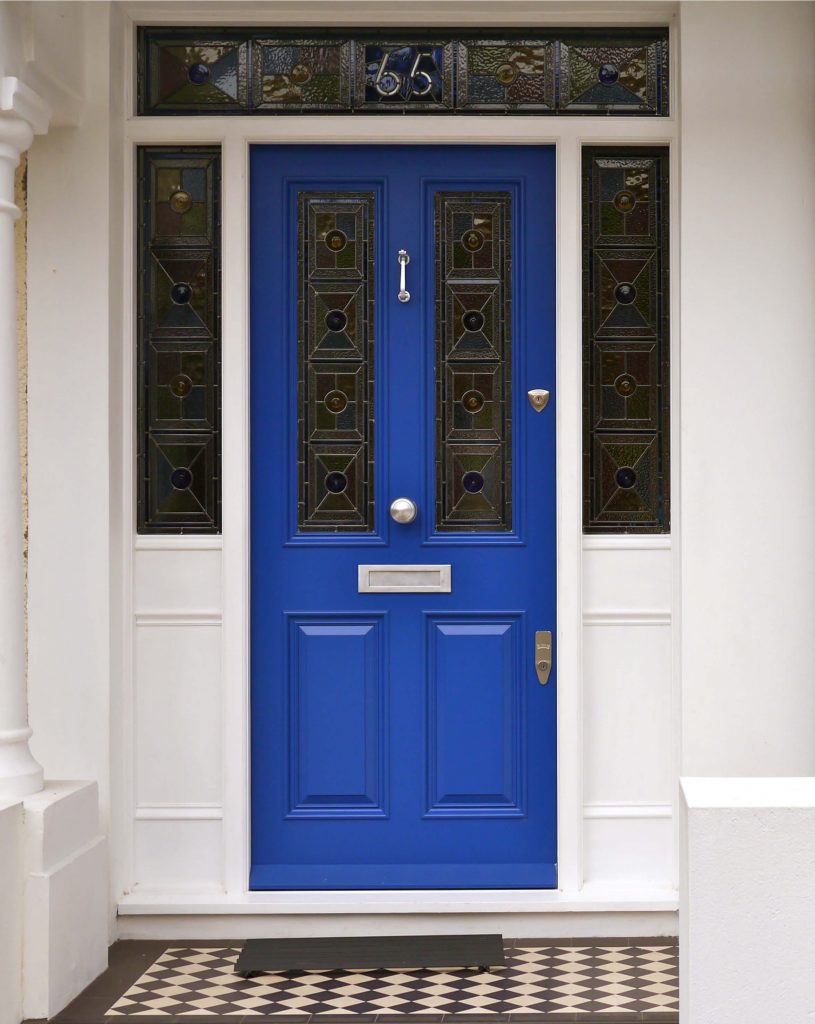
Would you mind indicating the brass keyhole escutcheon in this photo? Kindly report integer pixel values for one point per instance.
(538, 399)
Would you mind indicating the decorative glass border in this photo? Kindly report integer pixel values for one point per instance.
(546, 72)
(179, 339)
(626, 340)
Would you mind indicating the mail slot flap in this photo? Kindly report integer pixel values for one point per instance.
(405, 579)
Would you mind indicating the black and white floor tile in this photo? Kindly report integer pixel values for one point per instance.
(537, 979)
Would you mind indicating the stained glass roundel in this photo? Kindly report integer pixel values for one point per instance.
(625, 477)
(473, 320)
(198, 74)
(625, 294)
(180, 201)
(608, 74)
(506, 74)
(336, 482)
(473, 482)
(181, 478)
(472, 240)
(181, 385)
(473, 401)
(625, 201)
(336, 240)
(625, 385)
(336, 320)
(300, 74)
(181, 293)
(336, 401)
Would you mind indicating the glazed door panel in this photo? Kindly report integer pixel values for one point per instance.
(400, 735)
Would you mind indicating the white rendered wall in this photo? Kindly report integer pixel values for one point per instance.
(747, 383)
(747, 947)
(11, 912)
(74, 287)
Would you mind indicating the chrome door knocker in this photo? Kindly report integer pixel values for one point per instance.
(404, 259)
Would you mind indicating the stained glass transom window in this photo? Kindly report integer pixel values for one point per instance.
(254, 71)
(179, 355)
(626, 451)
(473, 361)
(336, 362)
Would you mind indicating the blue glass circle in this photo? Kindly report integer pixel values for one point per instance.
(181, 478)
(608, 74)
(198, 74)
(336, 482)
(625, 294)
(336, 320)
(473, 482)
(473, 320)
(181, 293)
(625, 477)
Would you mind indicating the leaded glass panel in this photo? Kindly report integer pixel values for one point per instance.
(335, 362)
(473, 361)
(179, 356)
(625, 341)
(548, 71)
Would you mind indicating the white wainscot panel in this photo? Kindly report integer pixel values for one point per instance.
(179, 580)
(177, 695)
(629, 745)
(626, 577)
(636, 850)
(179, 856)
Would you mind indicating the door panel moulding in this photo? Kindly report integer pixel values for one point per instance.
(621, 904)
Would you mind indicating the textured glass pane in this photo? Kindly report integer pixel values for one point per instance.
(335, 359)
(178, 397)
(517, 76)
(301, 75)
(184, 71)
(549, 71)
(473, 361)
(599, 75)
(625, 341)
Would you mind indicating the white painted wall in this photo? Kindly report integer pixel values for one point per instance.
(11, 911)
(747, 947)
(74, 288)
(747, 381)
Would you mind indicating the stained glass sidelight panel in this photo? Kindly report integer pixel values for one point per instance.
(179, 356)
(626, 381)
(473, 361)
(335, 362)
(546, 71)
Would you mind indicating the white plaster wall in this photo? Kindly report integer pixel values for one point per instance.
(747, 382)
(748, 899)
(11, 913)
(74, 240)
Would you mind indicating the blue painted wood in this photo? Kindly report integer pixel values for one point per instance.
(401, 740)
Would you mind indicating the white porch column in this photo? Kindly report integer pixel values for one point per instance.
(22, 114)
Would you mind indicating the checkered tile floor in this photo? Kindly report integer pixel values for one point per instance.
(568, 979)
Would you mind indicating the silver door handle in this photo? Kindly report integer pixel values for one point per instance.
(404, 259)
(403, 510)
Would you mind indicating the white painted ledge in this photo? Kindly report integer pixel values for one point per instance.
(593, 898)
(748, 900)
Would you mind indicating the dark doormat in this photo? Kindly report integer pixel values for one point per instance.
(370, 953)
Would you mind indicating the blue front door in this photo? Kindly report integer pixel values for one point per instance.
(401, 737)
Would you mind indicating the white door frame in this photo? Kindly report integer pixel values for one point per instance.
(235, 134)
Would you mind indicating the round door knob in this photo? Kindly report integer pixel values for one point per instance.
(403, 510)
